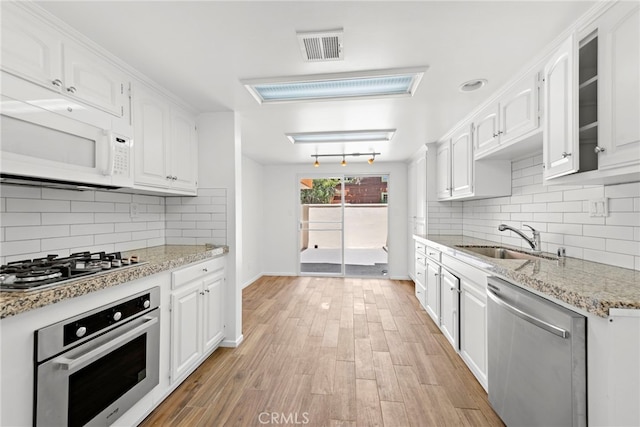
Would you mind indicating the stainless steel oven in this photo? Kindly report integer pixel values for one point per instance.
(93, 367)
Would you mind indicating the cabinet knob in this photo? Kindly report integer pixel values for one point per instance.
(598, 149)
(565, 155)
(71, 89)
(117, 316)
(57, 83)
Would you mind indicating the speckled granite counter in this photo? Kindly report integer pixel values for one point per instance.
(153, 260)
(589, 286)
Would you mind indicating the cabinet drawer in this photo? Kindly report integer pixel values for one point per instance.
(421, 260)
(195, 271)
(433, 253)
(421, 248)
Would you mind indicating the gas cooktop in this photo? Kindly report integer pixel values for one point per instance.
(42, 273)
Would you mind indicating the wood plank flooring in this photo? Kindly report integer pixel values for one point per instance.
(331, 352)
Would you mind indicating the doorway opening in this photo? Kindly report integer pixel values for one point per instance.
(343, 225)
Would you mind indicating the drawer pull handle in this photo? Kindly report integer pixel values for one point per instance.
(205, 270)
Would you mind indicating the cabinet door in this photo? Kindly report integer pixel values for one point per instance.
(619, 85)
(443, 170)
(560, 142)
(183, 159)
(93, 80)
(151, 125)
(473, 329)
(449, 301)
(461, 162)
(432, 282)
(485, 130)
(29, 50)
(213, 327)
(421, 188)
(186, 346)
(519, 109)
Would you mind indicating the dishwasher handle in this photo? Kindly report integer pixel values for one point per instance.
(528, 317)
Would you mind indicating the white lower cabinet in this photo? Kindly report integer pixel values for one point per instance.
(432, 285)
(455, 298)
(197, 314)
(449, 304)
(473, 328)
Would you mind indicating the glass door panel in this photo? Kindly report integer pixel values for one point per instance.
(366, 225)
(321, 226)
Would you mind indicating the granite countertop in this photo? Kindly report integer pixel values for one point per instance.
(590, 286)
(152, 260)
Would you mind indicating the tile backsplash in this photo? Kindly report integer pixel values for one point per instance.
(36, 221)
(560, 212)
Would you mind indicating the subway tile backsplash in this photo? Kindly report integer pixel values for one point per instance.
(561, 213)
(35, 222)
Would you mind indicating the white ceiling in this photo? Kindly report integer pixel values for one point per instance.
(201, 50)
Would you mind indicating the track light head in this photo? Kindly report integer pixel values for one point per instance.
(316, 163)
(343, 162)
(372, 159)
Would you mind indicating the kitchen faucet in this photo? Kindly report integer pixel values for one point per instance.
(534, 241)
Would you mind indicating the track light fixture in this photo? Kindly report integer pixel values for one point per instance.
(344, 156)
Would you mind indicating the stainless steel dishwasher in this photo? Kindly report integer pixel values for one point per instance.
(537, 359)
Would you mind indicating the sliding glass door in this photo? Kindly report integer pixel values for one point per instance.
(343, 225)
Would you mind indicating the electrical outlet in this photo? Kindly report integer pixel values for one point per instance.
(134, 210)
(599, 207)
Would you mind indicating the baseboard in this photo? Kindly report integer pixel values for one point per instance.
(280, 274)
(231, 343)
(250, 281)
(401, 278)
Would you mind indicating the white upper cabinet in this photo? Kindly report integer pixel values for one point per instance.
(592, 90)
(443, 170)
(183, 151)
(461, 162)
(512, 121)
(619, 84)
(519, 113)
(459, 177)
(559, 141)
(152, 135)
(37, 52)
(165, 144)
(91, 79)
(33, 52)
(486, 130)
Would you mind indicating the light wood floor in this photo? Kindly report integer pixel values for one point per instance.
(331, 352)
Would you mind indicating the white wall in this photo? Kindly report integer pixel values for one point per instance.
(37, 221)
(219, 167)
(560, 212)
(253, 243)
(281, 202)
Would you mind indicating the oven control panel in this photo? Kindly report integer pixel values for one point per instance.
(96, 322)
(59, 336)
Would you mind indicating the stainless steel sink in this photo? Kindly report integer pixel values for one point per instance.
(499, 252)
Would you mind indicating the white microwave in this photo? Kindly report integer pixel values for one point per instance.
(46, 137)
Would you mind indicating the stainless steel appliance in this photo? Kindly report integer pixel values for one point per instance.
(537, 359)
(42, 273)
(91, 368)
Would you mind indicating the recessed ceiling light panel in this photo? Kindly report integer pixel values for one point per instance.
(371, 135)
(381, 83)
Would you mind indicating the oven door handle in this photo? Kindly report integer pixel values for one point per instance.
(88, 357)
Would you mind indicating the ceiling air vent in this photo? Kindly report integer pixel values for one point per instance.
(321, 46)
